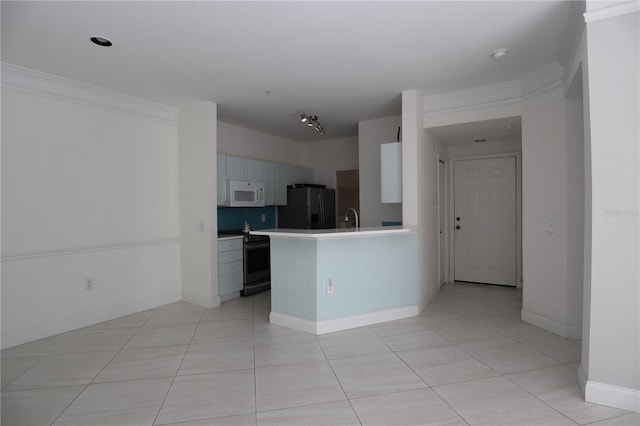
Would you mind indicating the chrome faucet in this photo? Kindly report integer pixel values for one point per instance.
(355, 214)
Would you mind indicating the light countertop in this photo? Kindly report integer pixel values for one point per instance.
(334, 233)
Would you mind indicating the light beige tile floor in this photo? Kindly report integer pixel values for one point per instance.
(467, 359)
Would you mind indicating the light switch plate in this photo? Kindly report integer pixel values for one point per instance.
(551, 228)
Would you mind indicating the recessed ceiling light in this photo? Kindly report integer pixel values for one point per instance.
(101, 41)
(499, 54)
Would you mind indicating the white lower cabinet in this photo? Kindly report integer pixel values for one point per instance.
(229, 266)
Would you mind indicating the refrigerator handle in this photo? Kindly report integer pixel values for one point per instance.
(321, 205)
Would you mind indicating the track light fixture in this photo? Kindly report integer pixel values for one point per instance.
(312, 121)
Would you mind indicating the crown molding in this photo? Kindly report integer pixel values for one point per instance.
(495, 94)
(512, 92)
(32, 81)
(542, 79)
(576, 59)
(612, 11)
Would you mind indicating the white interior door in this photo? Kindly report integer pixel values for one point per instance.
(485, 220)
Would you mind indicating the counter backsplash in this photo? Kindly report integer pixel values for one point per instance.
(233, 218)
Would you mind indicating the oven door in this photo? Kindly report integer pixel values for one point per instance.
(257, 262)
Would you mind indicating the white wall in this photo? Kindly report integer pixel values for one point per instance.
(544, 187)
(89, 190)
(198, 212)
(575, 205)
(612, 368)
(372, 134)
(428, 218)
(484, 148)
(329, 156)
(242, 142)
(419, 186)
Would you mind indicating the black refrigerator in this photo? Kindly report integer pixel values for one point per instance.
(308, 207)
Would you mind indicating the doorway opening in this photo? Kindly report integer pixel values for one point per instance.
(464, 143)
(347, 193)
(486, 220)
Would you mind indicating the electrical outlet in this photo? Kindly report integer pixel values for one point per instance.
(88, 284)
(264, 217)
(330, 286)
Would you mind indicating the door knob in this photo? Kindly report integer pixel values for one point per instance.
(458, 227)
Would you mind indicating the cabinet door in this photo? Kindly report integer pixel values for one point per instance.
(252, 170)
(221, 177)
(269, 184)
(391, 172)
(234, 167)
(229, 283)
(280, 182)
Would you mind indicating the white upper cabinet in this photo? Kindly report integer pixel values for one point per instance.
(221, 176)
(269, 183)
(253, 170)
(391, 172)
(275, 177)
(234, 167)
(280, 179)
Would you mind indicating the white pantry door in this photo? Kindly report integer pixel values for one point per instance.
(485, 220)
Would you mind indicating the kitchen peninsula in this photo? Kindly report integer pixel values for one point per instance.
(325, 280)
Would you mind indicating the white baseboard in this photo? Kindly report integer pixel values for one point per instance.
(612, 396)
(609, 395)
(564, 330)
(346, 323)
(429, 298)
(75, 323)
(201, 301)
(230, 296)
(295, 323)
(582, 380)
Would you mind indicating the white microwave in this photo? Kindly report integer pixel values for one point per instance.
(245, 194)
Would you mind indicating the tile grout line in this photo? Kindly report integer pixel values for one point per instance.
(610, 418)
(544, 402)
(317, 340)
(337, 379)
(43, 358)
(164, 400)
(101, 370)
(255, 373)
(423, 380)
(510, 380)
